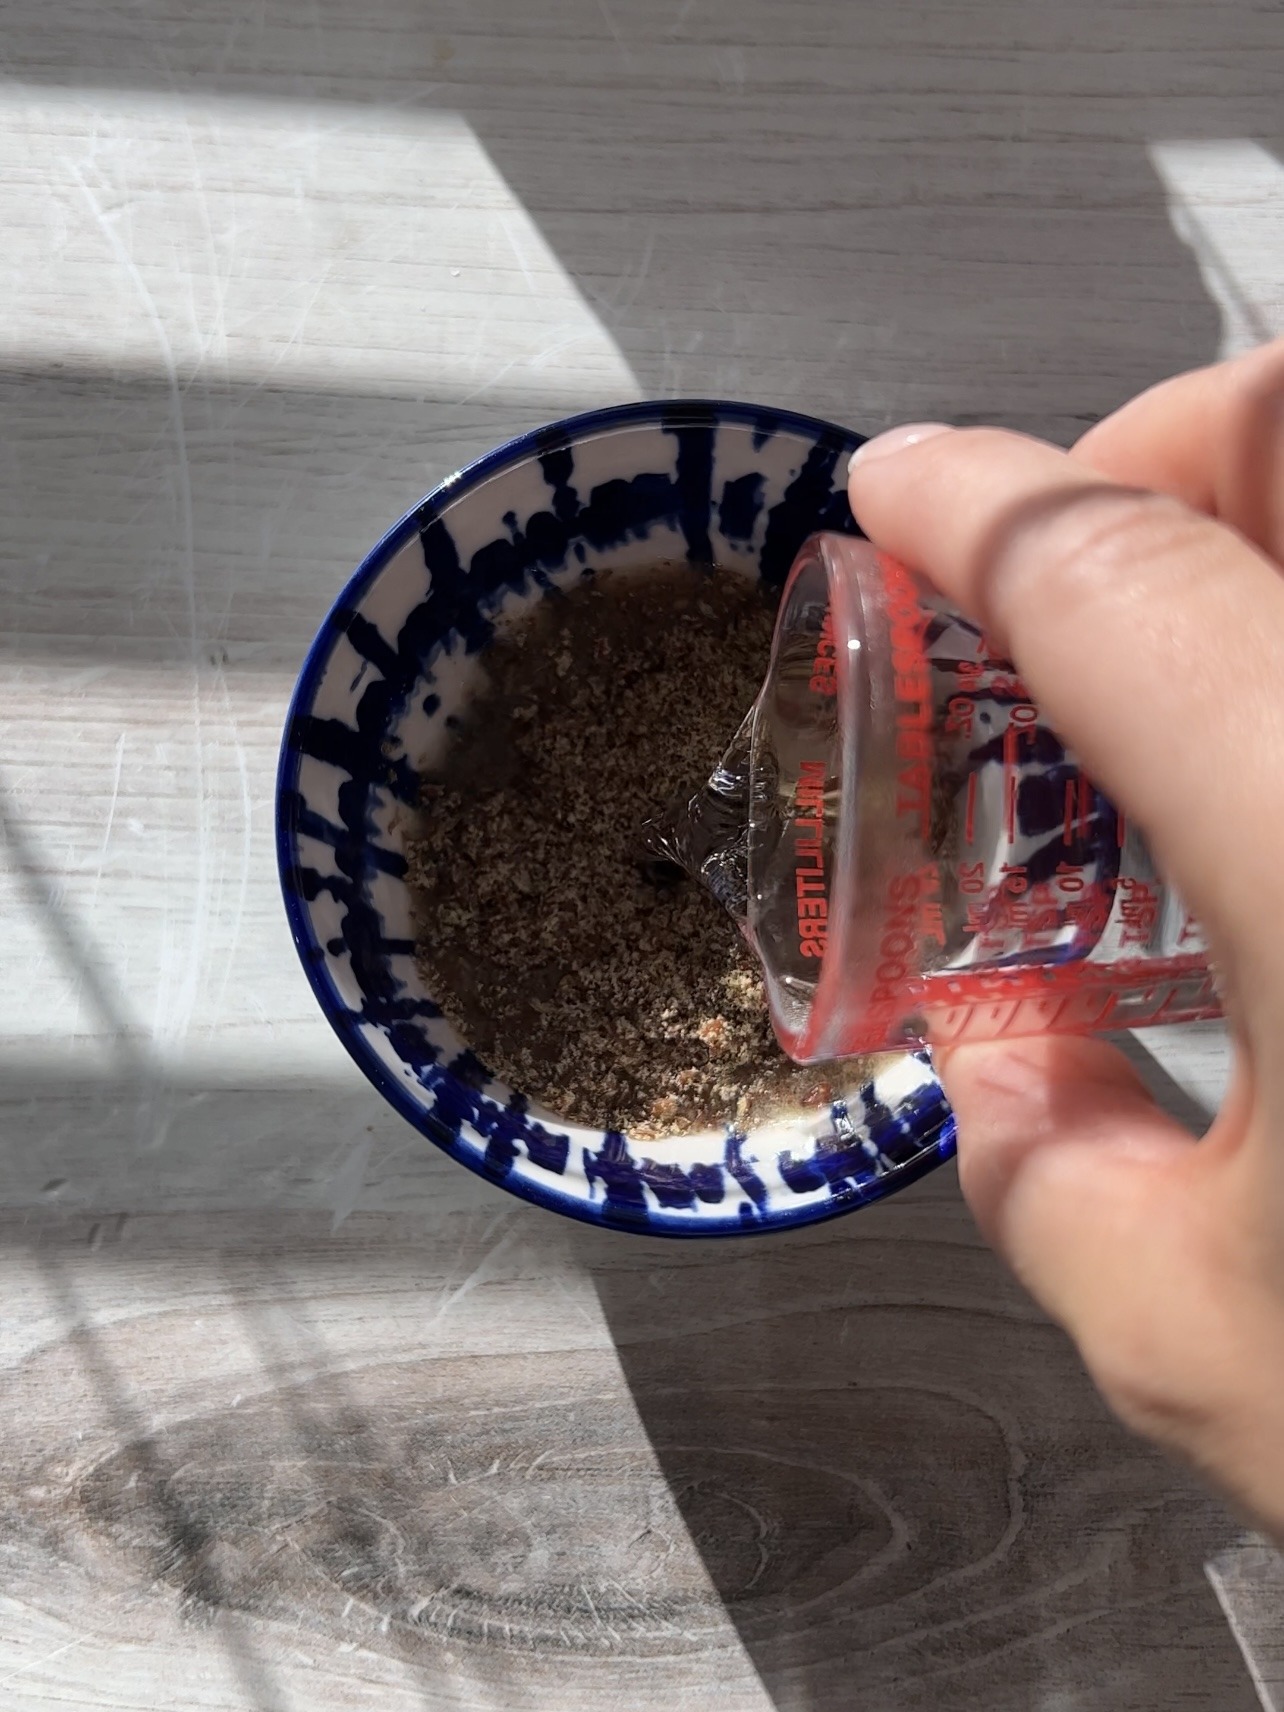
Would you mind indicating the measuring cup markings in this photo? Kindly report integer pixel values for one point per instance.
(811, 883)
(922, 856)
(825, 663)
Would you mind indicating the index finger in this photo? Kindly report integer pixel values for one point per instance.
(1213, 438)
(1152, 636)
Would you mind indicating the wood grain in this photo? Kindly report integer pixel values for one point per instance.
(1249, 1581)
(478, 1460)
(294, 1414)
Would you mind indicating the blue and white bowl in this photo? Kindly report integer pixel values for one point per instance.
(396, 660)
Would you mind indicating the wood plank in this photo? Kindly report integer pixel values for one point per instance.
(483, 1460)
(294, 1414)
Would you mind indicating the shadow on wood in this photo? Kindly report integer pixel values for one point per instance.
(478, 1457)
(903, 1485)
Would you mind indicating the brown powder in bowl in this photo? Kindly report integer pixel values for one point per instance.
(607, 996)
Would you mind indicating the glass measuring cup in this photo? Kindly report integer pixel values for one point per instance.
(925, 859)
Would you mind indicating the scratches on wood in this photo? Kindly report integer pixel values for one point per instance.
(750, 1477)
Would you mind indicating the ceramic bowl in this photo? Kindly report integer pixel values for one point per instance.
(393, 664)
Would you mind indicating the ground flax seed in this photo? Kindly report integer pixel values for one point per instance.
(608, 994)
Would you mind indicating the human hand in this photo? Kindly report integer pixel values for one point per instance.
(1138, 583)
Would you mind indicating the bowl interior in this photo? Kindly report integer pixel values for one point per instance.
(393, 666)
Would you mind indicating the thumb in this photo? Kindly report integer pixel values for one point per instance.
(1135, 1238)
(1043, 1118)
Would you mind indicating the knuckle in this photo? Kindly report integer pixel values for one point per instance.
(1101, 549)
(1179, 1362)
(1260, 372)
(1254, 398)
(1156, 1404)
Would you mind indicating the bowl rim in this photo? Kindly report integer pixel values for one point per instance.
(513, 451)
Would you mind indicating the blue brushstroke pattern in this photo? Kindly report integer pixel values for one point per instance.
(674, 491)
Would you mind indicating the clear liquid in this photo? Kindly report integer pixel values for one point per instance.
(913, 850)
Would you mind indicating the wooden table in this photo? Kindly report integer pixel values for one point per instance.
(295, 1413)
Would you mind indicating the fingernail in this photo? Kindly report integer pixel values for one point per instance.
(896, 440)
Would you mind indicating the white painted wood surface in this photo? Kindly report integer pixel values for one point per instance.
(268, 273)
